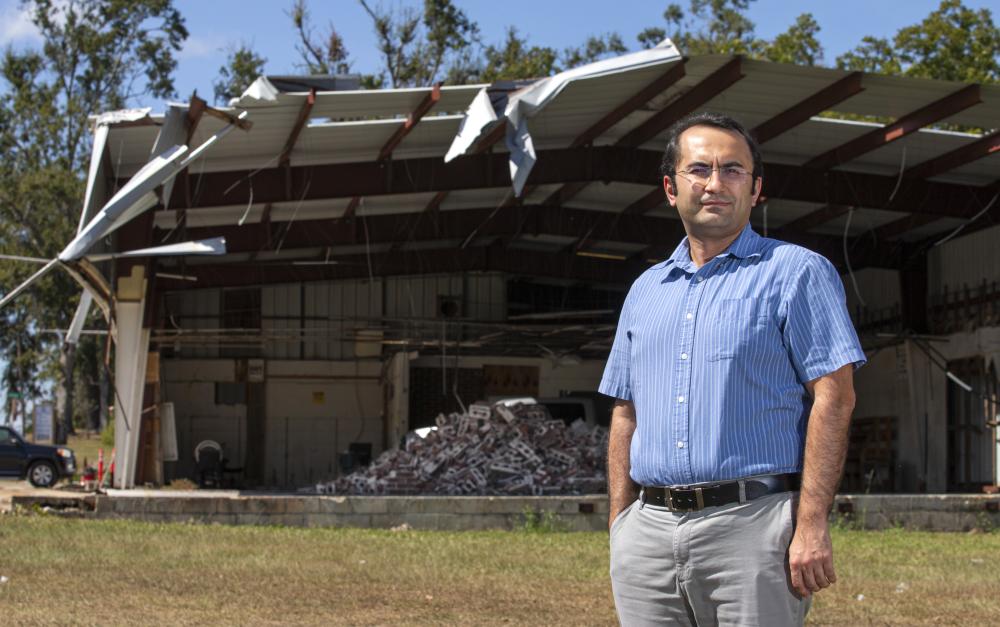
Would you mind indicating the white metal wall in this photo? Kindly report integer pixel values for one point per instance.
(197, 309)
(320, 320)
(190, 385)
(965, 260)
(483, 296)
(281, 316)
(334, 310)
(878, 287)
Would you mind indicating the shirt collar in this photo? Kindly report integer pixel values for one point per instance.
(747, 244)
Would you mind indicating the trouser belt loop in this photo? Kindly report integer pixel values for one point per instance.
(743, 491)
(642, 497)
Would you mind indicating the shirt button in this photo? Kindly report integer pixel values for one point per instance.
(684, 355)
(680, 399)
(700, 279)
(689, 315)
(680, 443)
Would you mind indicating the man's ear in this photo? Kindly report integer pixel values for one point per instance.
(668, 188)
(758, 187)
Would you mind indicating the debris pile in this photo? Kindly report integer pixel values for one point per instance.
(518, 450)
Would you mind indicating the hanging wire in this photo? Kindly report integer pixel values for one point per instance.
(249, 207)
(899, 178)
(847, 258)
(295, 212)
(967, 222)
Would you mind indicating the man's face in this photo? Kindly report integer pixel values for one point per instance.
(715, 187)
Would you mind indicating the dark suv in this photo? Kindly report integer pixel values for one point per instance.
(41, 465)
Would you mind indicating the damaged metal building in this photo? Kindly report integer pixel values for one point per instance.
(392, 254)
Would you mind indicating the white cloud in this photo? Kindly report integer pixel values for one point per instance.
(16, 26)
(198, 47)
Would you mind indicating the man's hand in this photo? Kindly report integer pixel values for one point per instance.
(810, 558)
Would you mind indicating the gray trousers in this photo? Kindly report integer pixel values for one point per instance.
(719, 566)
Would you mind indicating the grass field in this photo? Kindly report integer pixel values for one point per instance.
(70, 571)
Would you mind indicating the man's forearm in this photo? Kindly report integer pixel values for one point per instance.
(825, 451)
(810, 555)
(621, 489)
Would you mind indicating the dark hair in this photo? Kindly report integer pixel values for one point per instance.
(673, 150)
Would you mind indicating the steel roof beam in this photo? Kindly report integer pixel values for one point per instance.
(964, 155)
(412, 119)
(300, 123)
(822, 100)
(709, 87)
(457, 224)
(654, 233)
(400, 263)
(603, 163)
(910, 123)
(663, 82)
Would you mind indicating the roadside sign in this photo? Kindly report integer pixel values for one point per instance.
(44, 423)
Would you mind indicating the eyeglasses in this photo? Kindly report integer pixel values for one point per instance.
(700, 174)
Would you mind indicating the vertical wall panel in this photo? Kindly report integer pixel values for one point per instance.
(280, 313)
(965, 260)
(879, 288)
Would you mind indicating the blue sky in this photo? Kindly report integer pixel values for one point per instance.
(218, 25)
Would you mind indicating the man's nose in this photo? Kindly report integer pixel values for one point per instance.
(714, 182)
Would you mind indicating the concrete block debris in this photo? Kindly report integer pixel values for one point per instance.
(516, 450)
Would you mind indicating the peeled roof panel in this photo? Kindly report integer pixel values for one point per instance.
(770, 88)
(401, 203)
(939, 227)
(781, 212)
(585, 101)
(612, 197)
(812, 138)
(896, 96)
(370, 103)
(349, 142)
(695, 69)
(920, 147)
(980, 172)
(862, 221)
(475, 198)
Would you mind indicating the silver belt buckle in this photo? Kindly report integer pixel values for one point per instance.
(699, 497)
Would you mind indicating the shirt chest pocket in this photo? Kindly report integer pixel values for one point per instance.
(738, 325)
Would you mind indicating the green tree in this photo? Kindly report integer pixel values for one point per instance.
(722, 27)
(594, 49)
(95, 55)
(419, 48)
(953, 43)
(797, 45)
(516, 59)
(874, 55)
(242, 68)
(713, 27)
(321, 56)
(651, 36)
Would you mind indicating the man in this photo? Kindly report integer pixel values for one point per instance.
(732, 366)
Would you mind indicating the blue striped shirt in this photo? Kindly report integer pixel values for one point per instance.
(715, 358)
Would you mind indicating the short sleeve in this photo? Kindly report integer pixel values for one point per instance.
(818, 332)
(616, 381)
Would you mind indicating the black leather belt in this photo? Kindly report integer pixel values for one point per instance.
(696, 497)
